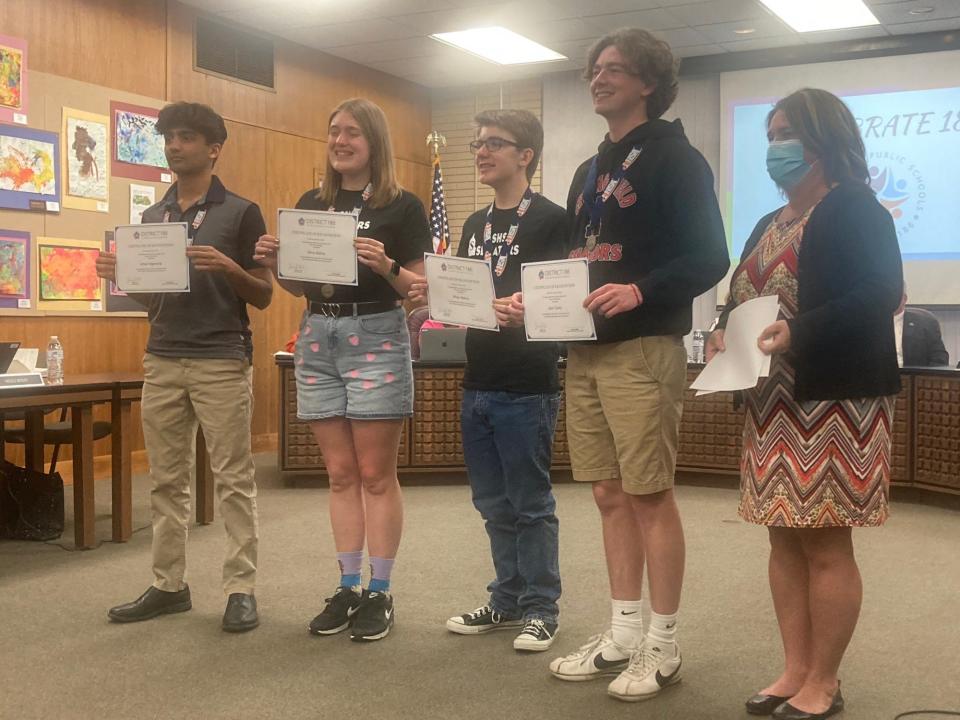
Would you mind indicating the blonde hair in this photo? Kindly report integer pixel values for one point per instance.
(383, 174)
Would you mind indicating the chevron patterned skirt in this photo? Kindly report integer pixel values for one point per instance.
(813, 464)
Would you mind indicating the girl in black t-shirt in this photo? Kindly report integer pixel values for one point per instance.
(352, 362)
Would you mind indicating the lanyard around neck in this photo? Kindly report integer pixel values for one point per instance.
(594, 199)
(367, 192)
(520, 211)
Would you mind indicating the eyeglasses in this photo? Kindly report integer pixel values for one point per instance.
(613, 70)
(493, 144)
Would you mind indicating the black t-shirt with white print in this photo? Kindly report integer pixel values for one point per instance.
(400, 225)
(505, 360)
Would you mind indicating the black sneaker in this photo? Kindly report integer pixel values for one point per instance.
(483, 619)
(339, 612)
(537, 635)
(374, 618)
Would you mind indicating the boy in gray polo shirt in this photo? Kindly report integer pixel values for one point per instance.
(197, 368)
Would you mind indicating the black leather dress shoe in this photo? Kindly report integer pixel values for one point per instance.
(761, 704)
(241, 613)
(152, 603)
(789, 712)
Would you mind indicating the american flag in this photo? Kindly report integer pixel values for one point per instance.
(439, 227)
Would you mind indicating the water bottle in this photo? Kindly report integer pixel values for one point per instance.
(54, 361)
(699, 351)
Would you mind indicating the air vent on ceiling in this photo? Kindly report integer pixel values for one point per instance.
(227, 50)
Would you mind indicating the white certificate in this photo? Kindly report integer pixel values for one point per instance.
(553, 295)
(317, 246)
(460, 291)
(152, 258)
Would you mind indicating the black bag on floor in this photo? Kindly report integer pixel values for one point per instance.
(31, 503)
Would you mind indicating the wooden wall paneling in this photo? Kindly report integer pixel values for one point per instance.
(417, 178)
(308, 85)
(114, 43)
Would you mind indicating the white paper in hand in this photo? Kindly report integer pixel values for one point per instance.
(742, 364)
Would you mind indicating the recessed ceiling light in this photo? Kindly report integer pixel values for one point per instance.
(499, 45)
(812, 15)
(745, 31)
(920, 11)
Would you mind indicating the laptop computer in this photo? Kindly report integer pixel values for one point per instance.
(443, 345)
(7, 352)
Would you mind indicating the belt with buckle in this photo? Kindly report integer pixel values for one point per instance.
(351, 309)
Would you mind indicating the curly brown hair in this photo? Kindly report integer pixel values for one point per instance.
(649, 57)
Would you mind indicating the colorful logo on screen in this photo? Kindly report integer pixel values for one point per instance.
(900, 188)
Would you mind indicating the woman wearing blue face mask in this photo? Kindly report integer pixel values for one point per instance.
(816, 443)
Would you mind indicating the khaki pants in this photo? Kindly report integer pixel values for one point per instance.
(177, 393)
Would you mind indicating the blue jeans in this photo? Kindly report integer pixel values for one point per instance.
(507, 445)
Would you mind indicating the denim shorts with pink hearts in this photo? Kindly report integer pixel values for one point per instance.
(355, 367)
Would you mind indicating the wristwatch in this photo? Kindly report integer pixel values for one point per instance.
(395, 269)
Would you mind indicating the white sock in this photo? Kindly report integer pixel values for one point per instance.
(663, 632)
(627, 623)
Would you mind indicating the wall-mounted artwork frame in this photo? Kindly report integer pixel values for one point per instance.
(13, 80)
(63, 268)
(85, 143)
(136, 148)
(29, 169)
(15, 266)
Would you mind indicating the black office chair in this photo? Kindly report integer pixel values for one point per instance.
(56, 434)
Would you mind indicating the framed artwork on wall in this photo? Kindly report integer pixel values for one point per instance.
(13, 80)
(85, 138)
(29, 168)
(14, 270)
(137, 151)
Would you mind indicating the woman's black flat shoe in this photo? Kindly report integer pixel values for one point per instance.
(761, 704)
(789, 712)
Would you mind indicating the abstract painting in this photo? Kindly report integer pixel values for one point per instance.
(85, 139)
(141, 197)
(13, 80)
(68, 272)
(14, 269)
(137, 147)
(28, 167)
(11, 77)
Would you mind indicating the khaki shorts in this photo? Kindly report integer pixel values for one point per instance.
(624, 402)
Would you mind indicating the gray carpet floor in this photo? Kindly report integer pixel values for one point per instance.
(60, 658)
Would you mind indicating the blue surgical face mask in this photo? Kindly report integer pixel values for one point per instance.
(785, 163)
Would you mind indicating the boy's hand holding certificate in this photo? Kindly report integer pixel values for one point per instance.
(317, 246)
(152, 258)
(460, 291)
(553, 295)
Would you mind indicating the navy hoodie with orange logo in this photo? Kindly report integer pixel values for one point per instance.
(661, 229)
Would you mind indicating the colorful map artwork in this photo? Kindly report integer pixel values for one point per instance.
(27, 165)
(137, 140)
(68, 273)
(11, 77)
(13, 268)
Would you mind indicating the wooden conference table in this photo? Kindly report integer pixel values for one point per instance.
(80, 393)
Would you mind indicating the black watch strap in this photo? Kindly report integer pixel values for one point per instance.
(395, 268)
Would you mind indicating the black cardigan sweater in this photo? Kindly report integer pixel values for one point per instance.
(850, 281)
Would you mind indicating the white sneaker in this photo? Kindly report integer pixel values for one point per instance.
(599, 657)
(651, 669)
